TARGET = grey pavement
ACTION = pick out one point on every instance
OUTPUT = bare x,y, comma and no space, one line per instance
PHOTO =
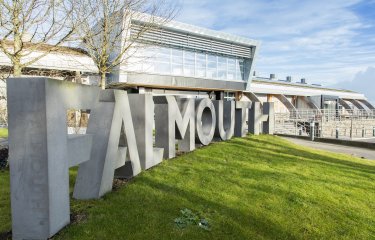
354,151
4,142
370,140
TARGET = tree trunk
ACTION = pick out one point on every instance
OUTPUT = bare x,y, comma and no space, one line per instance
102,80
17,40
17,68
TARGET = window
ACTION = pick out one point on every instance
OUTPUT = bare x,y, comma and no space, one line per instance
180,62
163,60
229,96
201,65
177,60
162,67
240,69
232,69
189,64
148,66
177,56
211,66
222,68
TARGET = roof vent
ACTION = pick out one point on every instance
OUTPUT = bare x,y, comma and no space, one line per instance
289,79
272,76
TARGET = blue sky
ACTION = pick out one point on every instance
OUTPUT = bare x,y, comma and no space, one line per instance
331,42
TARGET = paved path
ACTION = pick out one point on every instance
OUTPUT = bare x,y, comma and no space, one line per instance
370,140
354,151
3,141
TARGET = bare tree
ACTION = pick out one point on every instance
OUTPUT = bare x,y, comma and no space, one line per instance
107,34
31,29
4,74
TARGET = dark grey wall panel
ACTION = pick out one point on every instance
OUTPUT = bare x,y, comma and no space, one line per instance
160,81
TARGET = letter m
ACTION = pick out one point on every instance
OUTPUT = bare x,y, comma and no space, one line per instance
172,113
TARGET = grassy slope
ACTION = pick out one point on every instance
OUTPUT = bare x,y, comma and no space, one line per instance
251,188
5,224
3,132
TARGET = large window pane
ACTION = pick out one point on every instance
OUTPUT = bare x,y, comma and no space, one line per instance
148,66
189,58
177,56
163,55
231,69
222,68
211,58
201,60
164,68
240,69
222,60
211,66
189,63
211,73
201,65
201,72
189,71
221,74
177,69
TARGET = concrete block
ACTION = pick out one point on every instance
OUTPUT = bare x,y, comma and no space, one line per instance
79,146
205,121
142,109
255,118
172,113
240,128
225,112
39,149
261,117
269,123
121,157
95,177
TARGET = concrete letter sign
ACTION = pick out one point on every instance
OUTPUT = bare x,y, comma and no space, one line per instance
39,147
169,114
256,118
240,129
118,142
205,121
142,109
110,119
269,124
224,119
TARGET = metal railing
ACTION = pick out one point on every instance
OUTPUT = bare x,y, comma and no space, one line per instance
340,123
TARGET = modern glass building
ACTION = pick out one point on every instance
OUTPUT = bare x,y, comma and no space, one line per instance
184,57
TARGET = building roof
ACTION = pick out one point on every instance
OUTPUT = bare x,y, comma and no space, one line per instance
298,84
46,47
63,58
268,86
202,32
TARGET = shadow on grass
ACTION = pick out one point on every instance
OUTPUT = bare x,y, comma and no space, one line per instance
301,152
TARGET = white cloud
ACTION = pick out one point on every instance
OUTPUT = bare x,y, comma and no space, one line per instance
323,41
363,82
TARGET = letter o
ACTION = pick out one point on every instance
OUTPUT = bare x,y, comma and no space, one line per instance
205,121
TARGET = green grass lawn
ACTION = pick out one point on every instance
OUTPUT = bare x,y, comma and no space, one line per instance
248,188
3,132
5,224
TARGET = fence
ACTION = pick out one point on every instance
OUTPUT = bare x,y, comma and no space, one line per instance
327,123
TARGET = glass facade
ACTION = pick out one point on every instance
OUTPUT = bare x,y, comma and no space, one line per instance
178,62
